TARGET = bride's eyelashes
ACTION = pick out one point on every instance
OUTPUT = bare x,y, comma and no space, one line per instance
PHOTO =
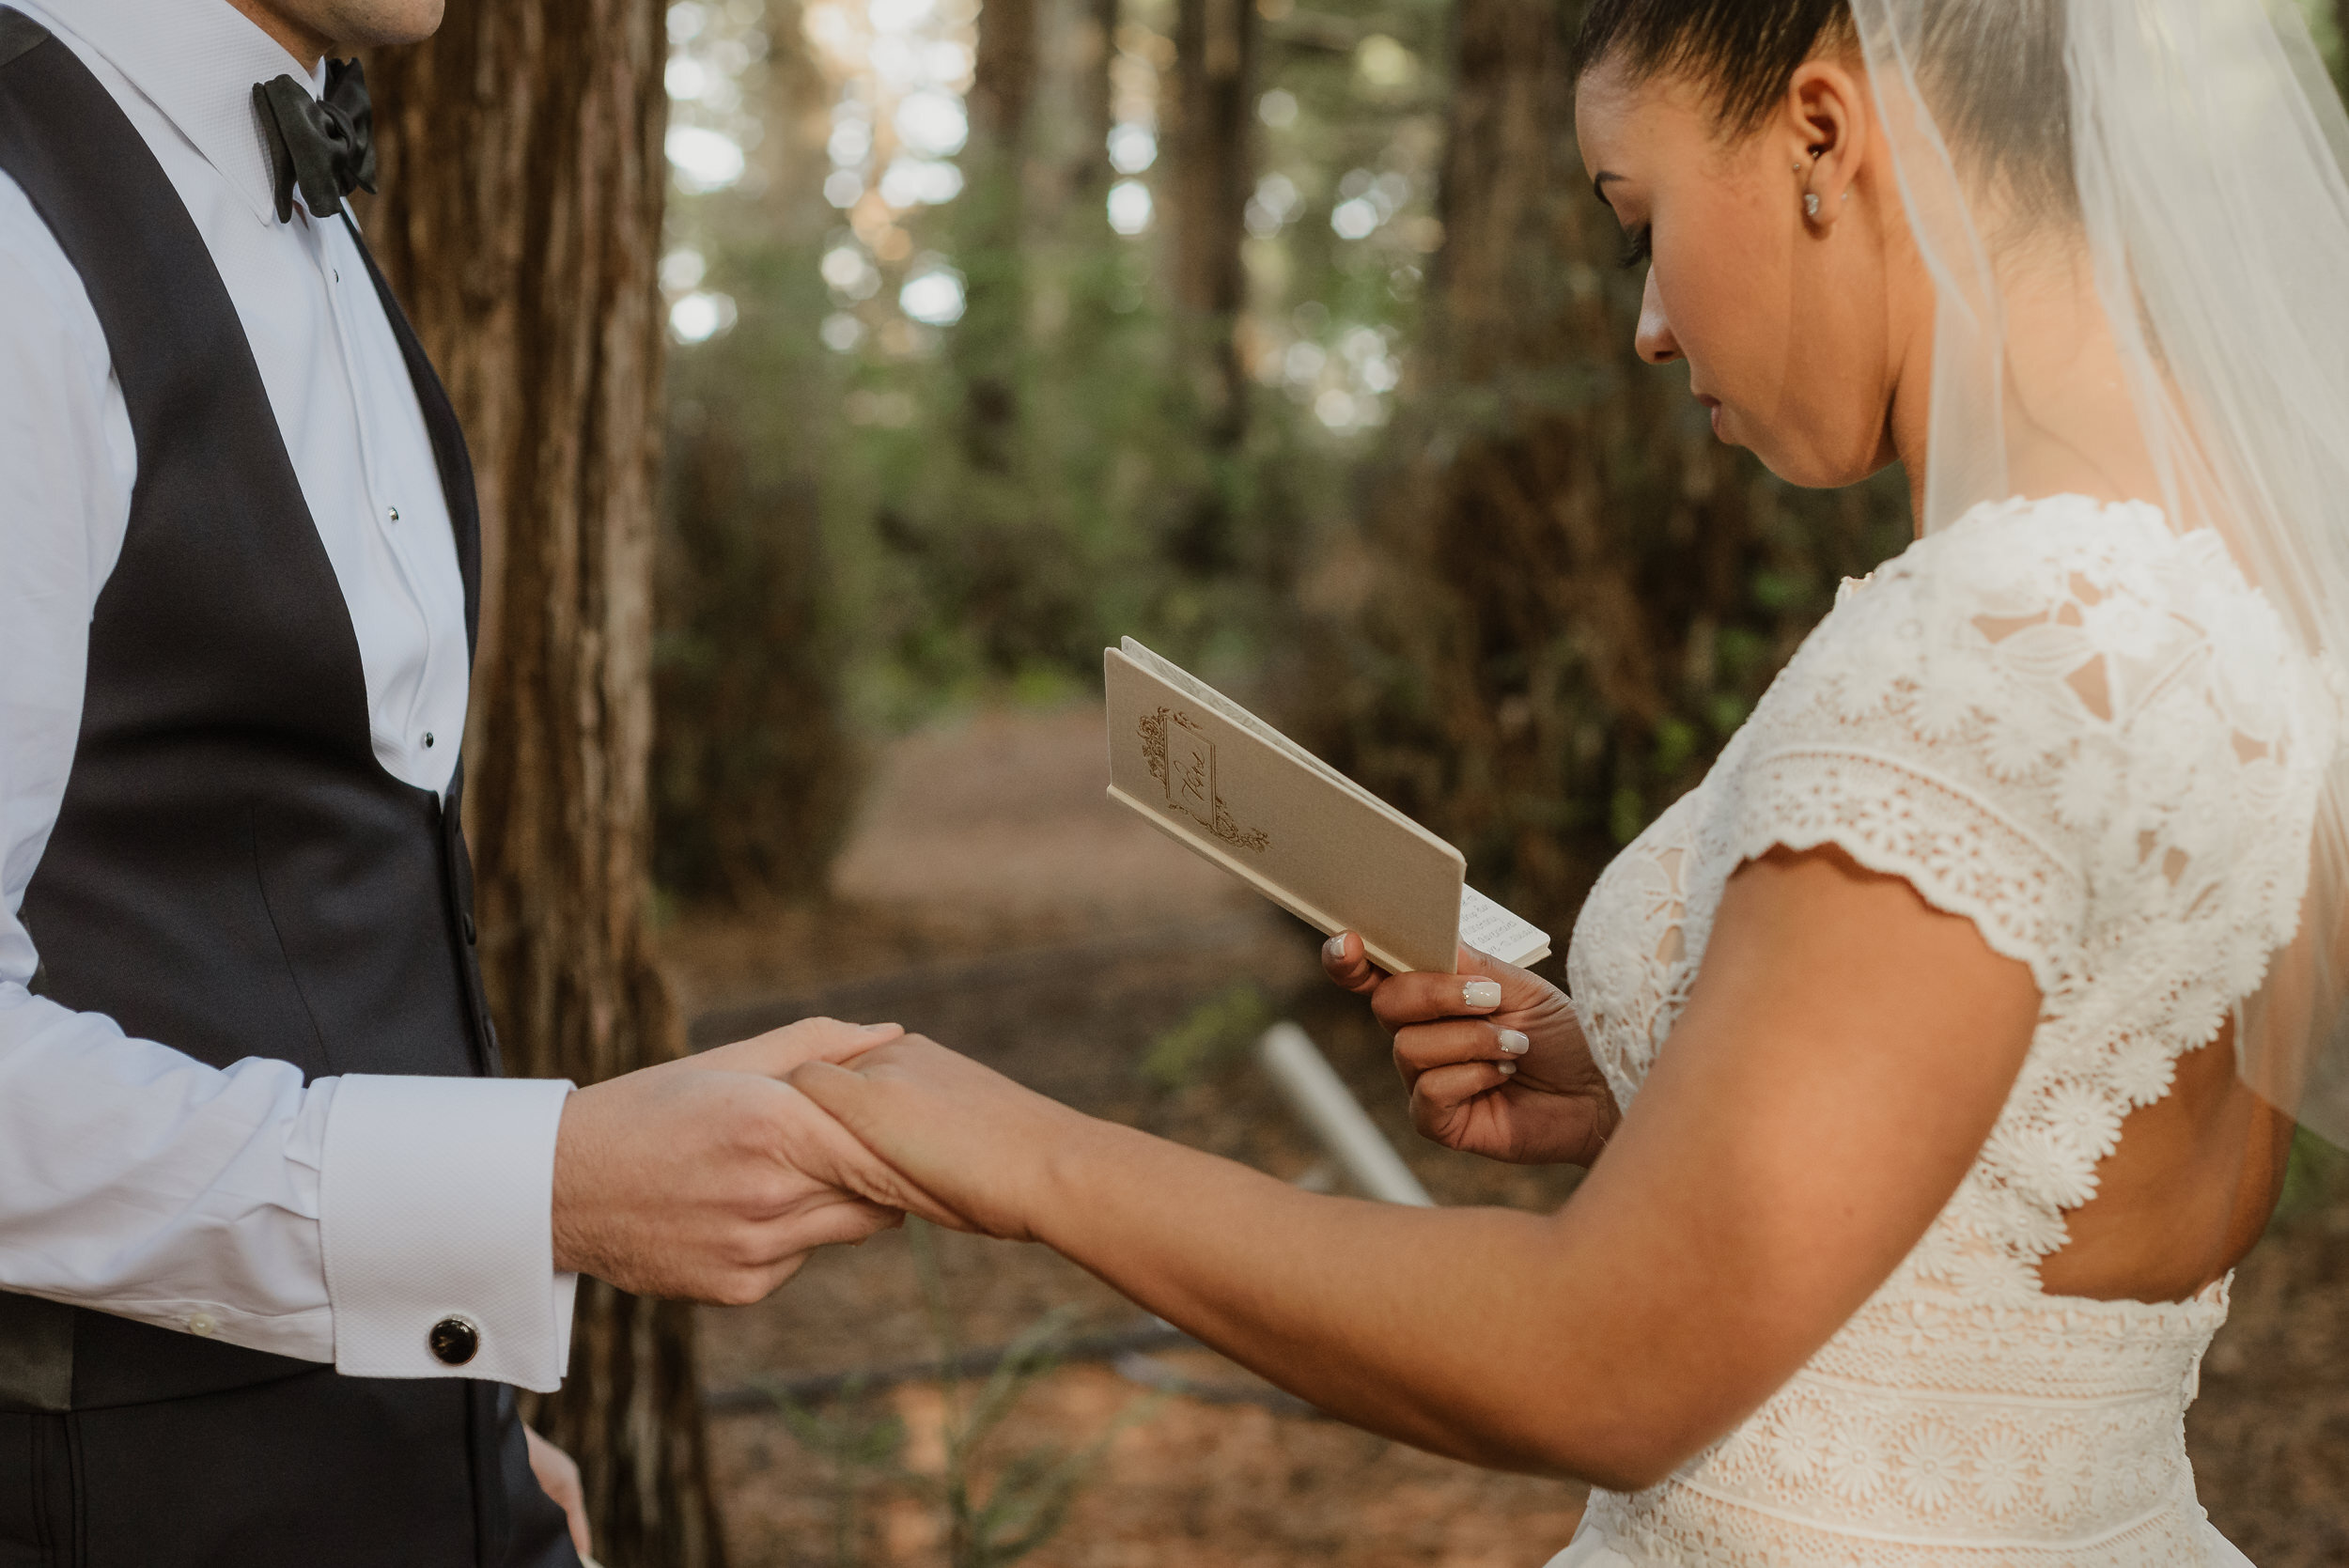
1635,250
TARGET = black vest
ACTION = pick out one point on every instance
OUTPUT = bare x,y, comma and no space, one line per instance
232,872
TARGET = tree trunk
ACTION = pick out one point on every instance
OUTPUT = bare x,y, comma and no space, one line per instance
1558,669
991,337
1588,591
1207,189
1215,48
1097,102
520,222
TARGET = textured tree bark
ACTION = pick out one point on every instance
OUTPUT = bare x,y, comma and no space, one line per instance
520,222
1558,672
1096,100
1215,50
1562,555
991,337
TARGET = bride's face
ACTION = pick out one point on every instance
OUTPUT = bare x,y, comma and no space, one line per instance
1798,324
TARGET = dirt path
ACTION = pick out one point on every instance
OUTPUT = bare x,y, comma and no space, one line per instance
992,897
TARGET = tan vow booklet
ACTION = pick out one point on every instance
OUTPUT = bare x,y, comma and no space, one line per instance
1225,785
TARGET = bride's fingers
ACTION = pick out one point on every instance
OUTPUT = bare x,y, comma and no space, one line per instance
777,1051
849,1102
1409,998
1423,1048
1482,985
1348,963
1440,1094
825,1150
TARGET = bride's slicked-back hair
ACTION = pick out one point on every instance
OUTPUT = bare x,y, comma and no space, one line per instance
1744,49
1992,68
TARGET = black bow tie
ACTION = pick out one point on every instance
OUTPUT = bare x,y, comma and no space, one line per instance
326,146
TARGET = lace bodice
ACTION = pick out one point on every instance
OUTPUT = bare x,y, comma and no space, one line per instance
2089,736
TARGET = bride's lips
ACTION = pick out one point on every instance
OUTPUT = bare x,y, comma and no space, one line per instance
1713,407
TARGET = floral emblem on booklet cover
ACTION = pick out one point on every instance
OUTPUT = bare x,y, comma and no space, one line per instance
1181,756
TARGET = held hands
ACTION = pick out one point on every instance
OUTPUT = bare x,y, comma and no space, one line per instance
711,1179
938,1135
1493,1056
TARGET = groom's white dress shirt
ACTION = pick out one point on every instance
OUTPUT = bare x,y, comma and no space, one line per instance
337,1221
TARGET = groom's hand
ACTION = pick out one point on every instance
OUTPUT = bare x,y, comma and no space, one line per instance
691,1179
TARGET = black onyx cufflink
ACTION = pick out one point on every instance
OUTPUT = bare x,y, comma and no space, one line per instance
455,1340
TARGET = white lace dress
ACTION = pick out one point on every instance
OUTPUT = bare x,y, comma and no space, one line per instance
2090,736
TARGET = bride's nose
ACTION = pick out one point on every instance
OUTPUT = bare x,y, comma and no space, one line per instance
1655,340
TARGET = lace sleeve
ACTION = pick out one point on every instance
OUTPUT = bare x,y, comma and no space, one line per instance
2054,719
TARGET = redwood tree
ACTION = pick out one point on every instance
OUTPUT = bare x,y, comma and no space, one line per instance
522,178
1215,53
1209,171
1583,590
988,344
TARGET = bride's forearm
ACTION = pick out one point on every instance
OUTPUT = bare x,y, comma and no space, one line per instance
1472,1332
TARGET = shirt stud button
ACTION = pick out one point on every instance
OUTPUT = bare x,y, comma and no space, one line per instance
203,1325
454,1341
427,740
392,512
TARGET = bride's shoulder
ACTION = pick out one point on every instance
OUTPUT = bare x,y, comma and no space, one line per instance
2066,610
2109,577
2028,549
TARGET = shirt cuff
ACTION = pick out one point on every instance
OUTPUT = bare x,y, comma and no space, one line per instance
435,1215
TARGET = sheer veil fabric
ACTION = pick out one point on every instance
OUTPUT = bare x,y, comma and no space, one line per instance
2136,217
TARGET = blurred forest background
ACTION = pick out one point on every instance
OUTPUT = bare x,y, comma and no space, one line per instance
1287,339
1287,336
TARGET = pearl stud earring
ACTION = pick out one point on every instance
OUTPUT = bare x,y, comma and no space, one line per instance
1810,204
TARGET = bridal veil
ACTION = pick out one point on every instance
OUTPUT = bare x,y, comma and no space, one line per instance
2180,163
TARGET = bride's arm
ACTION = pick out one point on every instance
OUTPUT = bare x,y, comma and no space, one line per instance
1843,1055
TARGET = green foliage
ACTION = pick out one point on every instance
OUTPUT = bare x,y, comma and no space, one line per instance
1525,597
993,1513
754,769
1028,1499
1214,1033
2316,1180
855,1448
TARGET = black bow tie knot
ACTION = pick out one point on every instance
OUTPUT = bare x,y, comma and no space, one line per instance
325,145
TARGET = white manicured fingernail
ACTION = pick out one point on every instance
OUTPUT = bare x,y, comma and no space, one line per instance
1335,947
1514,1043
1507,1067
1481,993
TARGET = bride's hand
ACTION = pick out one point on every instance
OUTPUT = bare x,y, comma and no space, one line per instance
960,1144
1493,1056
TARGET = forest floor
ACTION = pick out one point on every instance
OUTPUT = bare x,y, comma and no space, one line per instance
992,897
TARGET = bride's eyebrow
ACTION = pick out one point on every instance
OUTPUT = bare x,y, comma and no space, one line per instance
1599,184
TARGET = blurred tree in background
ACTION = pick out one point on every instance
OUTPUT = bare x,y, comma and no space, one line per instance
1285,337
1572,594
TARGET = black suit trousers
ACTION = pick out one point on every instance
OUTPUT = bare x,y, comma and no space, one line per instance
382,1476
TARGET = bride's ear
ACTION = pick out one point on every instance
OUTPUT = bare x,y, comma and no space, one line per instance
1823,125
